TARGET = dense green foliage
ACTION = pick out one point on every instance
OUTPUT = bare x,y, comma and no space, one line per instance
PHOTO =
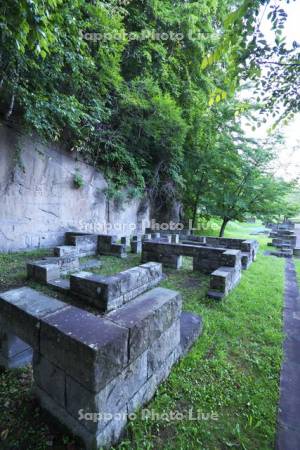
145,90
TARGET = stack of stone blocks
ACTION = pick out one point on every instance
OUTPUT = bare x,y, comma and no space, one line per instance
84,244
100,366
136,245
284,239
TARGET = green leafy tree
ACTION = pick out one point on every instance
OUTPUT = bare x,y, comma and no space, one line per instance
245,187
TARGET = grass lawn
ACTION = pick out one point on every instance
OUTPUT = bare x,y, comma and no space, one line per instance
232,371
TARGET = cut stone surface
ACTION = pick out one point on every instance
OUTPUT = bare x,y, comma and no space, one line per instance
64,250
43,271
60,285
111,399
224,279
109,435
23,308
94,350
147,317
85,244
14,352
110,292
107,246
191,327
49,269
50,378
162,347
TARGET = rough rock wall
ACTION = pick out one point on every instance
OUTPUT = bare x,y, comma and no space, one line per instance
38,200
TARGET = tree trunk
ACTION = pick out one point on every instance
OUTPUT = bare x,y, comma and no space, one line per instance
195,210
11,107
224,223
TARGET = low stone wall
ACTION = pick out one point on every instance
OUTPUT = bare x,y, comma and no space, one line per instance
288,225
78,244
248,248
205,259
110,292
283,238
82,244
104,292
50,269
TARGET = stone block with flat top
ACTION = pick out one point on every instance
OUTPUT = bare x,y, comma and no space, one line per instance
147,317
23,310
92,349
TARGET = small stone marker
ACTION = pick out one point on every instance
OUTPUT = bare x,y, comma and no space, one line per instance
136,245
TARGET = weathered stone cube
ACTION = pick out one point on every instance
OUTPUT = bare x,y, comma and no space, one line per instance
94,350
147,317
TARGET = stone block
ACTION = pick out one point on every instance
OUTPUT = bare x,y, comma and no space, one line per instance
136,247
155,235
191,327
147,317
65,250
118,250
219,280
147,391
92,349
111,399
67,263
92,441
107,246
50,378
224,280
43,271
105,241
125,241
246,260
162,347
102,291
14,352
23,309
231,258
60,285
171,261
86,244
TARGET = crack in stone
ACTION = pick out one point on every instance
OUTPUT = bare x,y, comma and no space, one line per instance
49,212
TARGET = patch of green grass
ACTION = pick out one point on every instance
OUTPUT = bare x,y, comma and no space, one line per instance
13,267
232,370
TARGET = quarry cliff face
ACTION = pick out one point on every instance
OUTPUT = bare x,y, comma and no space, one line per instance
46,191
